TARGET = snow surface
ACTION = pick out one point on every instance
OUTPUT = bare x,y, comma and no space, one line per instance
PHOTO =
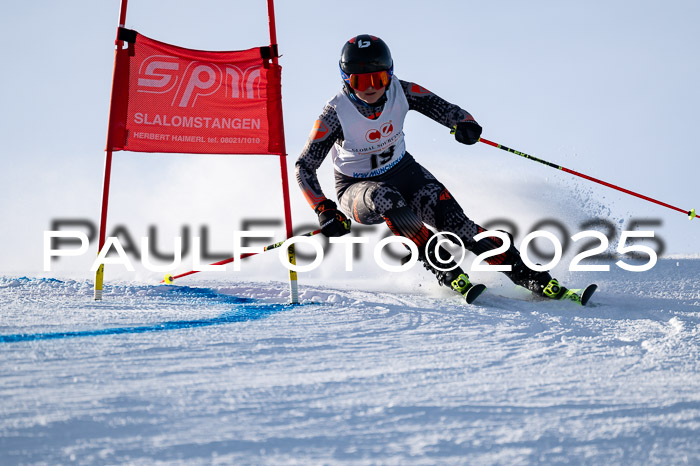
225,372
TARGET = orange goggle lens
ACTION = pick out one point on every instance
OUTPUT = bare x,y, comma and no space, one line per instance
377,80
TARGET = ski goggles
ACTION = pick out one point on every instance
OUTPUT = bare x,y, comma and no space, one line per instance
363,81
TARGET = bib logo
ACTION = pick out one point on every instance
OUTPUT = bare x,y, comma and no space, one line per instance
160,74
384,131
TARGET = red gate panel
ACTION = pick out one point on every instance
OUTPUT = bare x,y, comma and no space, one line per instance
172,99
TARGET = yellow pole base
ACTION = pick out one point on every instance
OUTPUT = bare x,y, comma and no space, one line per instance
99,280
293,286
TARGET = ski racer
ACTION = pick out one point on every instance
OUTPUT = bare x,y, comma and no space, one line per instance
378,181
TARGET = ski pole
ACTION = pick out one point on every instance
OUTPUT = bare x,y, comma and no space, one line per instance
170,278
690,213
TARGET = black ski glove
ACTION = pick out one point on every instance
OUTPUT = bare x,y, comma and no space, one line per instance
333,222
467,132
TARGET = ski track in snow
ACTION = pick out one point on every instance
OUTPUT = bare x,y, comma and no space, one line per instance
226,372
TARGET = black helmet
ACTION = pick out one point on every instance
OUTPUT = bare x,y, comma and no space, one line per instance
365,54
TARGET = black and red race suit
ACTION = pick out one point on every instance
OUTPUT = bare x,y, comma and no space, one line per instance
405,195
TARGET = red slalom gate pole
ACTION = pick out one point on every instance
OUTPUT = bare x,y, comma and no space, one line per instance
99,274
690,213
169,279
293,284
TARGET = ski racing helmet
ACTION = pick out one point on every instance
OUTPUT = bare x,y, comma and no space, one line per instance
366,61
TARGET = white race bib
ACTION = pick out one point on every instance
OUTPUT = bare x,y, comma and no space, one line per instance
371,147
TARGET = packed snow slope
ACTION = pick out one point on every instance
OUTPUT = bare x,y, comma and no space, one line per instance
225,372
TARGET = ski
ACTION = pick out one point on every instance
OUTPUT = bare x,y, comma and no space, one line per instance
473,292
576,295
463,286
580,296
587,293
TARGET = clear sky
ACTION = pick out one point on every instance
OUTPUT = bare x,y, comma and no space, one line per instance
609,89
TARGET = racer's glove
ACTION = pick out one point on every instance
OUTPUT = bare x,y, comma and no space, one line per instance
467,132
333,222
